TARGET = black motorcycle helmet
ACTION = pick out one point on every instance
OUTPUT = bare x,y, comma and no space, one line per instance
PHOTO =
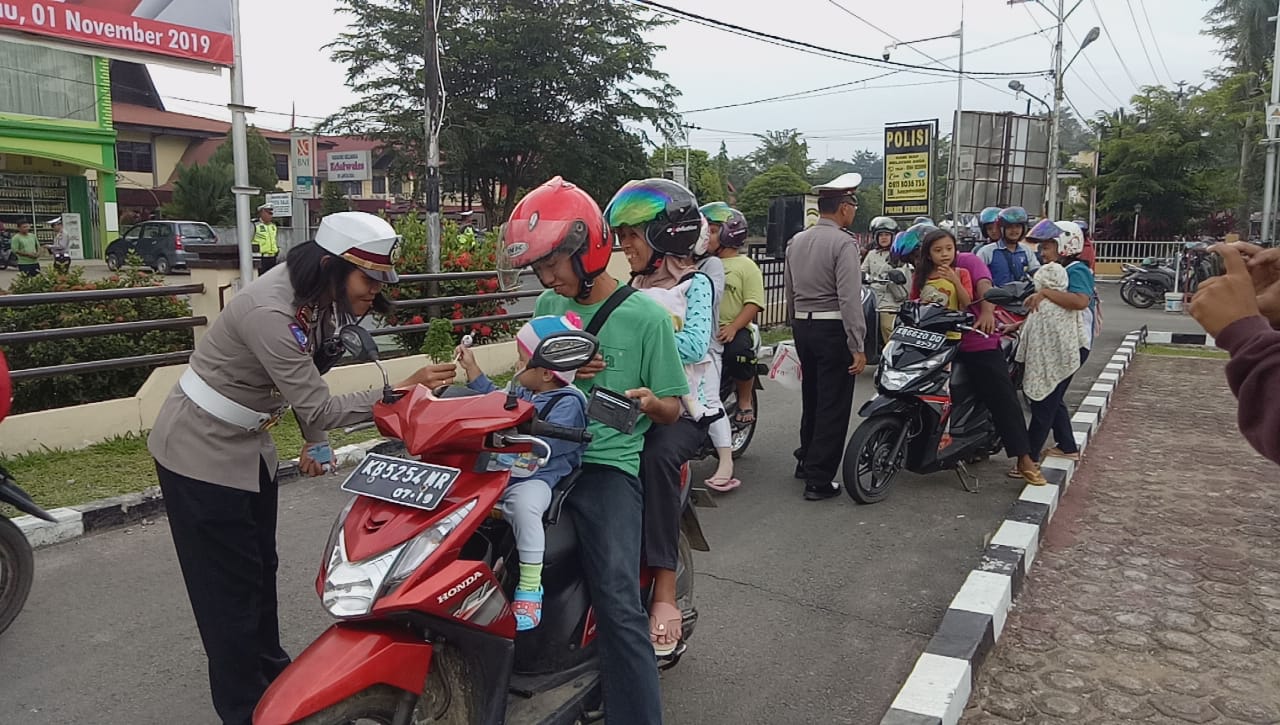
666,211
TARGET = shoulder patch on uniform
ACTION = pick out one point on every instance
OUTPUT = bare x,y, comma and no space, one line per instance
299,335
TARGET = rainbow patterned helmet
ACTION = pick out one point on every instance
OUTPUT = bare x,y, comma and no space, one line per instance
733,223
908,241
666,211
1045,230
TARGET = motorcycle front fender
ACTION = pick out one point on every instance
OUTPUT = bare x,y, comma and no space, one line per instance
346,660
884,405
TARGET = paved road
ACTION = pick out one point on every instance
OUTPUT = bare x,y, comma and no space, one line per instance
811,612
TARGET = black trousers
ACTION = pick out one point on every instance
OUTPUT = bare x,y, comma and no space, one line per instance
1051,414
740,357
826,392
992,385
226,544
265,263
666,448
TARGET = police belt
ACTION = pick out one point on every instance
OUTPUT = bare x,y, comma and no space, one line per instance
832,315
223,408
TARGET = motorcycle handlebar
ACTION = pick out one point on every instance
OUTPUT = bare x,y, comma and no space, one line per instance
562,432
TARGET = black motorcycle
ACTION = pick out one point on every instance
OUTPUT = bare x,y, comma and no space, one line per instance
926,417
1146,284
17,566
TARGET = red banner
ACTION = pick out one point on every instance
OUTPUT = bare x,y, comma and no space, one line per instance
193,30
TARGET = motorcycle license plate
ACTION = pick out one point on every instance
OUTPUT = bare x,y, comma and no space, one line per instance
398,480
923,339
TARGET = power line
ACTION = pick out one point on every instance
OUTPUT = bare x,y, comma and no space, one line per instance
1096,72
803,95
1102,21
896,39
1159,52
1142,40
817,49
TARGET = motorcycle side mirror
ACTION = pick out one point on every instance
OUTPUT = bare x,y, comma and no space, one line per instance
358,343
896,276
564,351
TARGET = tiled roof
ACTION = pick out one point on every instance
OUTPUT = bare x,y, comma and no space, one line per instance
128,114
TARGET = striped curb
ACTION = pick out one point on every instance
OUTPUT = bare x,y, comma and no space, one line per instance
938,688
76,521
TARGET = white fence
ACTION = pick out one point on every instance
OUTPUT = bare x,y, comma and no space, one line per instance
1121,251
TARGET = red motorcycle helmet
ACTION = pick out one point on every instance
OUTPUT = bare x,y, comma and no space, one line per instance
6,387
555,218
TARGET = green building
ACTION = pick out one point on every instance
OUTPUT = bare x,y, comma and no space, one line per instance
57,142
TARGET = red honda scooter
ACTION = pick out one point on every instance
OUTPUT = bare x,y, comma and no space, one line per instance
421,571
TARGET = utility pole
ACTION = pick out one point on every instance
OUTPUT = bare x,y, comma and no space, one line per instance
1269,179
431,56
1054,124
240,153
954,176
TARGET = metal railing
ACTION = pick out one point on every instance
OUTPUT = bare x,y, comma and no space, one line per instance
775,302
1132,252
81,332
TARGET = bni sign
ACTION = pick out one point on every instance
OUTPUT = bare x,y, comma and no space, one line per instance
349,166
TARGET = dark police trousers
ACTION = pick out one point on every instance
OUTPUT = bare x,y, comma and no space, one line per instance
826,392
226,544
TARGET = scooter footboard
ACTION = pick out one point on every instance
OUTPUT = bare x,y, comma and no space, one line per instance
344,661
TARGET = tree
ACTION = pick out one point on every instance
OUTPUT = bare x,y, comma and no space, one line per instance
870,206
262,164
1248,37
333,200
1161,160
529,83
754,200
202,192
786,147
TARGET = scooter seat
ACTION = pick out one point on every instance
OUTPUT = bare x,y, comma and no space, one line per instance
558,496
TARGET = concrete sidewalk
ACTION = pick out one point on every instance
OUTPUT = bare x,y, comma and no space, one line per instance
1157,594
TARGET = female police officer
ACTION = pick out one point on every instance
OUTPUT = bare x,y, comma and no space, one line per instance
217,463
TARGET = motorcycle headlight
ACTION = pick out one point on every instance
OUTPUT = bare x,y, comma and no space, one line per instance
894,380
352,587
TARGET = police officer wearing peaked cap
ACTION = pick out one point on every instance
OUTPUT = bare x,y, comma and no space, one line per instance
216,460
823,281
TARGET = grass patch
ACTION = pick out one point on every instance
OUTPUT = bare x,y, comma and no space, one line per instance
122,465
775,335
1185,351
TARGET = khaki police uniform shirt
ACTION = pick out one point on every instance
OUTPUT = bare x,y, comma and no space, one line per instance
252,356
823,274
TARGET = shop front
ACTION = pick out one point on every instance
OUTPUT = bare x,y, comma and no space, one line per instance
57,146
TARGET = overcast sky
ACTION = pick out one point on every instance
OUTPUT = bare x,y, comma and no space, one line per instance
284,63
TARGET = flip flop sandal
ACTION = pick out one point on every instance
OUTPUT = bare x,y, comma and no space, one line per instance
1013,473
658,628
722,485
527,609
1058,452
1035,478
744,416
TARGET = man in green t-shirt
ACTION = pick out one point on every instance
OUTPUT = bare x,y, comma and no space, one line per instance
743,301
27,247
558,230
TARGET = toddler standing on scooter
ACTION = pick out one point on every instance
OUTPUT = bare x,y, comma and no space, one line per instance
529,494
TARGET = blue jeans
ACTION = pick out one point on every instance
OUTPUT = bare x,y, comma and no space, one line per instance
607,506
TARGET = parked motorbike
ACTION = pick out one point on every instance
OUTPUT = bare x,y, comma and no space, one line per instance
925,417
17,566
1146,284
421,573
742,432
